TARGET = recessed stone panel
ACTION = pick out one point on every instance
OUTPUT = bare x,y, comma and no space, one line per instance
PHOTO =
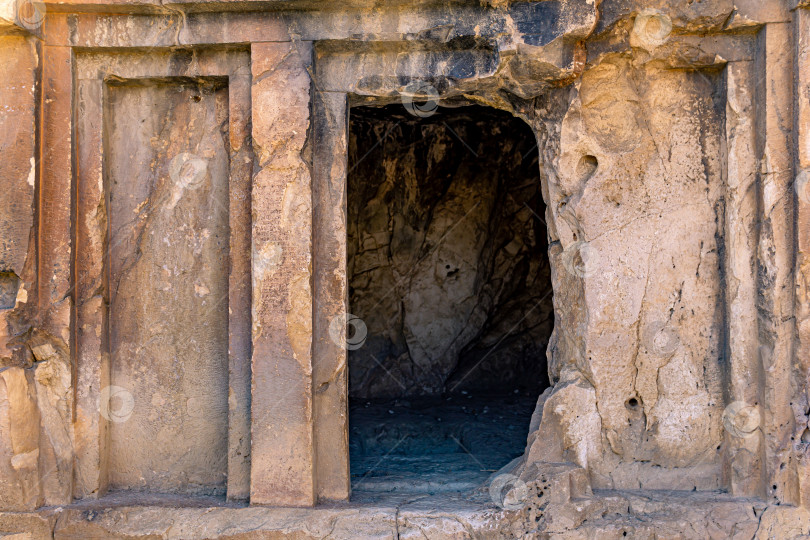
167,188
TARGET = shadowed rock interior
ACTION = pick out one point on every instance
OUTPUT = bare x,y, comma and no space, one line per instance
449,274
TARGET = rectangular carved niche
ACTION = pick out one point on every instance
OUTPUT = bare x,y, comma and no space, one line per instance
167,185
162,272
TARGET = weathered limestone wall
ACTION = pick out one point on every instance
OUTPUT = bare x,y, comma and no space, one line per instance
19,415
803,236
636,194
175,172
18,166
674,161
167,183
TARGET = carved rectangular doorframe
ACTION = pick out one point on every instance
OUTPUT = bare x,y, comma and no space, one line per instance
94,70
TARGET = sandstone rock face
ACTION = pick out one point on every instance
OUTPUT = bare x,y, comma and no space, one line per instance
18,171
447,253
17,142
635,195
52,379
673,169
168,193
20,443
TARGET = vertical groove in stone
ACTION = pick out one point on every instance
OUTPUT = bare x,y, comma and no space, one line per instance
92,358
743,459
239,288
330,372
282,453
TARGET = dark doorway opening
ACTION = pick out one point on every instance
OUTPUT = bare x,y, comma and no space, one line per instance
448,270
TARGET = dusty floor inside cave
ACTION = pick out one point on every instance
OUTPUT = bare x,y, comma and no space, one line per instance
448,265
435,444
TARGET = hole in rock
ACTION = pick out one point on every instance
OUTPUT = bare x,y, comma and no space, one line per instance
9,285
586,167
448,270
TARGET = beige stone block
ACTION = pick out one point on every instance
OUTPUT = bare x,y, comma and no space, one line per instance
635,193
90,428
330,369
18,166
32,526
802,194
18,169
282,453
743,454
775,259
55,252
19,441
54,391
152,522
167,180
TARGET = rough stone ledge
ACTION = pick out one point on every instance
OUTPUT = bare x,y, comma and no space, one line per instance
607,514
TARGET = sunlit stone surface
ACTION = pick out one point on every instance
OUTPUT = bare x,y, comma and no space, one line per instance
296,269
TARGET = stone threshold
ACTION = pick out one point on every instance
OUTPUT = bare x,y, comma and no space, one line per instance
150,516
606,514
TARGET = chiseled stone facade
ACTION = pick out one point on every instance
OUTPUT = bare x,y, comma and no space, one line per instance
173,262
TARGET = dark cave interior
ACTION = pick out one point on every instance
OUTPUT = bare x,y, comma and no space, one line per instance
448,270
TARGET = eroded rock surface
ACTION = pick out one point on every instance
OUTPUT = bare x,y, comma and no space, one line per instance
635,202
673,159
168,189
